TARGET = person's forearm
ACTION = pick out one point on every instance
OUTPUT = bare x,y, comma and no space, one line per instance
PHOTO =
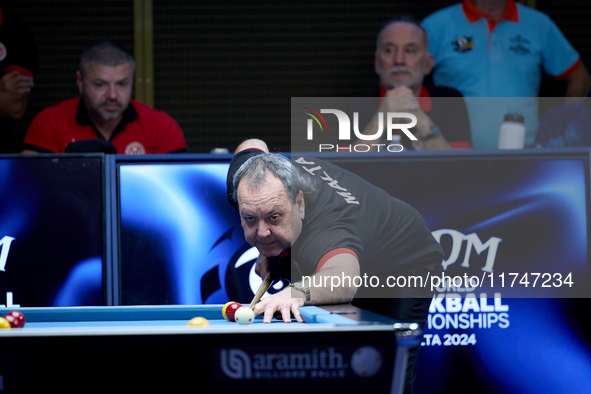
577,89
327,289
578,83
425,128
334,283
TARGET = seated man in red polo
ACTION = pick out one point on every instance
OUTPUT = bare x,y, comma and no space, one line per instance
402,60
104,118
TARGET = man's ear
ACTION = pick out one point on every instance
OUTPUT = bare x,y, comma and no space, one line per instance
376,65
301,204
429,64
79,81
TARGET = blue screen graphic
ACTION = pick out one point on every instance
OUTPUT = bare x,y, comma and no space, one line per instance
538,210
51,231
534,211
180,240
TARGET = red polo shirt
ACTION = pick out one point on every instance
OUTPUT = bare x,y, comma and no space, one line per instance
142,130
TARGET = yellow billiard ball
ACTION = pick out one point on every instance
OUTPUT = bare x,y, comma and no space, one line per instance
224,309
4,323
198,321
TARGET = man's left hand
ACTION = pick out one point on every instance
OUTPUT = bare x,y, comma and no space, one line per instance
283,303
401,99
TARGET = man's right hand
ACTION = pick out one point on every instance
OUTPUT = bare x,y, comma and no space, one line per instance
261,267
400,99
17,83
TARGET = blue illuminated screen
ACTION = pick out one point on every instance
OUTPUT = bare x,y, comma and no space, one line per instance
535,209
180,241
51,230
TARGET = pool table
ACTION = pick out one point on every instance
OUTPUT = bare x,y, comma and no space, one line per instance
134,348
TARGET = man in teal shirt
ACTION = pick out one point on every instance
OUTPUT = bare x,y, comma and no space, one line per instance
494,52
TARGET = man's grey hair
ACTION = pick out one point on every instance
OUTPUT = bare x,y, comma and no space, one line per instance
106,54
256,170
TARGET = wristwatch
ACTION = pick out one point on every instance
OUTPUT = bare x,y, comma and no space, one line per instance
304,289
434,132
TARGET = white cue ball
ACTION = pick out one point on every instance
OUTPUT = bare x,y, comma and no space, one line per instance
244,315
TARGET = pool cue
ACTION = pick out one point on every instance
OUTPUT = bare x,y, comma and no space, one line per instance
262,290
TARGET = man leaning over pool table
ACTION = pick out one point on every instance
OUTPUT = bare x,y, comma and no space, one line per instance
326,233
332,223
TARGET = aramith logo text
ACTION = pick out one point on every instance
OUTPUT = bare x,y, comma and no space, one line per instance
361,142
317,363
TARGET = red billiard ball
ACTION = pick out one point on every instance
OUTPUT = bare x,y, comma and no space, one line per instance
16,319
224,309
231,310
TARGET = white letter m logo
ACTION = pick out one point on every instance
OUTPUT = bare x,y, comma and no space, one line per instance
5,247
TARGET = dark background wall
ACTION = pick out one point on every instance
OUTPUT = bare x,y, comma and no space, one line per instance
227,71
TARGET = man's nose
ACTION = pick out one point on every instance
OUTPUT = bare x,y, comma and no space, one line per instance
399,57
111,92
263,230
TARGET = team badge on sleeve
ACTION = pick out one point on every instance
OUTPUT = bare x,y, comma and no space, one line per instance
463,44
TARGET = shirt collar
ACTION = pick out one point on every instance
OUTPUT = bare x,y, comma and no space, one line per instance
473,14
83,119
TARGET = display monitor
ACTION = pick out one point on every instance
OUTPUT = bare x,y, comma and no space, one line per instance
52,234
180,241
524,213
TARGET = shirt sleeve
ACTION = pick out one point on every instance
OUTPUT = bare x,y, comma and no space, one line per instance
559,58
317,247
170,137
41,135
